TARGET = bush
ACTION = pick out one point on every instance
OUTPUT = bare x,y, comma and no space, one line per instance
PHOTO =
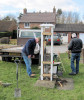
6,34
4,40
14,35
35,27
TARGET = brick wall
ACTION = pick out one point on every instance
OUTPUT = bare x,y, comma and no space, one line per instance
35,25
69,36
21,25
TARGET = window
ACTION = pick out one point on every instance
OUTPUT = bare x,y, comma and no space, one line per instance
26,25
38,34
30,34
27,34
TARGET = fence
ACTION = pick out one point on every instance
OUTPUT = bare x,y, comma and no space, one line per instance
6,40
82,56
13,41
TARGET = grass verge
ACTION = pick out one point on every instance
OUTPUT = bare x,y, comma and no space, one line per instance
30,92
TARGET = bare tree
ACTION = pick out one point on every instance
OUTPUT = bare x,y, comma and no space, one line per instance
75,18
9,17
59,12
67,17
58,17
63,18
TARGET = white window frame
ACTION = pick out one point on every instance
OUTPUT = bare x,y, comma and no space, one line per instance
26,25
29,30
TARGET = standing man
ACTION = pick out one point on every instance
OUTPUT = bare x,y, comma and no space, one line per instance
75,46
28,52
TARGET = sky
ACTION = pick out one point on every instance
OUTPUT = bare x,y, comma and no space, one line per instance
15,7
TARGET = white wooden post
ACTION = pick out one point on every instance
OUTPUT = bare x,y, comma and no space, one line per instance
43,26
51,52
41,53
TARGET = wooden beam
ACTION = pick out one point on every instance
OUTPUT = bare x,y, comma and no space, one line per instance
47,62
83,55
48,75
7,46
57,63
47,33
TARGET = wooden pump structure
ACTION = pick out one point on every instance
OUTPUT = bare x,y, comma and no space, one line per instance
49,28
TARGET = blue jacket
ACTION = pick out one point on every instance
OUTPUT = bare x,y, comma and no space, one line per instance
29,47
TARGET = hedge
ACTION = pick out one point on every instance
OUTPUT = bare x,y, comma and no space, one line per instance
6,34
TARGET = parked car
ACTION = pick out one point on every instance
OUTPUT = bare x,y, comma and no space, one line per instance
57,39
23,35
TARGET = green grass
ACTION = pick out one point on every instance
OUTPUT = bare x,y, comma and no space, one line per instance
30,92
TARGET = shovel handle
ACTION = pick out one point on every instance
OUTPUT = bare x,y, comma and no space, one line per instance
17,61
17,75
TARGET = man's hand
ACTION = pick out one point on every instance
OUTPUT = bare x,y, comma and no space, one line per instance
33,56
29,56
69,54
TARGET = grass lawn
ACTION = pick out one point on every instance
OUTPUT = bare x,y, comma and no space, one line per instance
30,92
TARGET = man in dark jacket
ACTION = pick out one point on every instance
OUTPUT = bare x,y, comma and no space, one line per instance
28,52
75,46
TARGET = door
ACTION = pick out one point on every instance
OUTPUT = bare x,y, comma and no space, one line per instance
81,36
64,37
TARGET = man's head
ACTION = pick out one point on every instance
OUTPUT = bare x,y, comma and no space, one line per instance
37,40
73,35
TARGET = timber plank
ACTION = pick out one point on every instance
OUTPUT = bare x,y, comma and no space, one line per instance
47,33
47,62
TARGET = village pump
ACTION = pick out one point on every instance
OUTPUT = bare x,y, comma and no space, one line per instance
43,45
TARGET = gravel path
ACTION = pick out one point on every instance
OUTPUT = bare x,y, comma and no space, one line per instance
58,48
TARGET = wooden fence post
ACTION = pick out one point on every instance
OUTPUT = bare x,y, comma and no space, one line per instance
83,54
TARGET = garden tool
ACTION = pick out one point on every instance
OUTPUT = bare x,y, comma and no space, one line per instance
5,84
17,90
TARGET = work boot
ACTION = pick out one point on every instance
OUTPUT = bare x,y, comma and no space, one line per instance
33,72
77,72
32,75
72,73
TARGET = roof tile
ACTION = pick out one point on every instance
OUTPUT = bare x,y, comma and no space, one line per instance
38,17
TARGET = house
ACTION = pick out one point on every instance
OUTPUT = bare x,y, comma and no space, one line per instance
7,27
68,29
33,20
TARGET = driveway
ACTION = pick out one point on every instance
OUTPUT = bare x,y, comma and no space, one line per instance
58,48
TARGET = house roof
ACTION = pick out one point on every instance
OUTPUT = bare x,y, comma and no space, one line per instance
39,17
7,26
69,28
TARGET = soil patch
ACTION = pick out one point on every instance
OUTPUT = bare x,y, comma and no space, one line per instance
59,83
65,84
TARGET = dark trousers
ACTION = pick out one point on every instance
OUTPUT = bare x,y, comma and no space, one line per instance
75,56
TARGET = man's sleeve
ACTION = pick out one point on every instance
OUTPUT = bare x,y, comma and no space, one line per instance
81,44
28,47
70,45
33,50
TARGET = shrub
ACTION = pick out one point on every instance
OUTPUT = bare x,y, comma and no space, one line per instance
4,40
35,27
6,34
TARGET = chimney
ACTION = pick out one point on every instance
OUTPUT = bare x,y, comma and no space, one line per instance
24,11
54,10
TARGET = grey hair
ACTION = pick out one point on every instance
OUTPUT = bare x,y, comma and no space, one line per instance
73,35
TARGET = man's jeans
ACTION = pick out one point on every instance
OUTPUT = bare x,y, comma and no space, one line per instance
28,63
73,57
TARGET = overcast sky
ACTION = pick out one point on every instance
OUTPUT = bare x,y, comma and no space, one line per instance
14,7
